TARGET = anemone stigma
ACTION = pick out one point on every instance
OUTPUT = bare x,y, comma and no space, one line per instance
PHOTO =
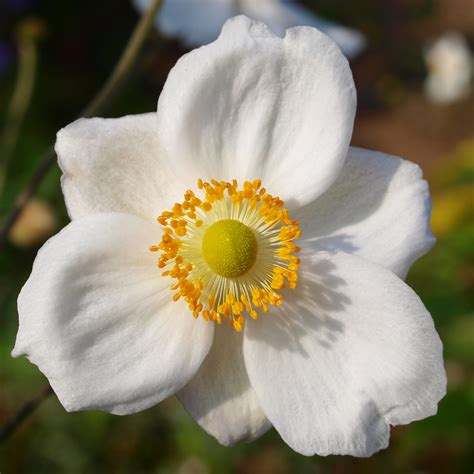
231,252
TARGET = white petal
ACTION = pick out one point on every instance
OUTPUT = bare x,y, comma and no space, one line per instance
279,15
378,208
97,319
220,397
351,351
113,165
252,105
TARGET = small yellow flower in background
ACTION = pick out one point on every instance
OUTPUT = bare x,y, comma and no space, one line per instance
452,207
36,223
453,199
456,168
234,250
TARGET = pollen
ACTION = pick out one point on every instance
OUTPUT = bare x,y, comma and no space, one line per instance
229,252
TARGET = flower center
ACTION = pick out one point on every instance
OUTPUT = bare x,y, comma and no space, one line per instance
229,252
229,248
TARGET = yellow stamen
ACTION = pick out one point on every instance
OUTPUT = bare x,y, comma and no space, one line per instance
230,252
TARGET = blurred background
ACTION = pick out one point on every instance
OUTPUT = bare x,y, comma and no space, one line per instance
413,73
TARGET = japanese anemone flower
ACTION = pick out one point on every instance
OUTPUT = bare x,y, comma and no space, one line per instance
272,293
198,22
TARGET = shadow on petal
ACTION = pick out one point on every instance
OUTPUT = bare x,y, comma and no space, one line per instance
358,192
307,309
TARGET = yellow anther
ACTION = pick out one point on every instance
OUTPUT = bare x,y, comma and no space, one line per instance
211,301
229,299
211,257
238,326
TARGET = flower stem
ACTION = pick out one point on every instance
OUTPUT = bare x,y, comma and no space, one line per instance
27,409
125,63
98,104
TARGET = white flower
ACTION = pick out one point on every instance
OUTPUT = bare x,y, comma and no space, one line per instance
450,69
198,22
334,361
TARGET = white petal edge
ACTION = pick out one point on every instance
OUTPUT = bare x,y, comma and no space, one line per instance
114,165
352,351
379,208
97,318
220,397
255,106
279,15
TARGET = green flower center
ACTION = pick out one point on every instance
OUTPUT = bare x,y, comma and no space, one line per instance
229,248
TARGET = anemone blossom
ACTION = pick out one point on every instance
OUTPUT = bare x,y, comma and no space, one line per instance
232,249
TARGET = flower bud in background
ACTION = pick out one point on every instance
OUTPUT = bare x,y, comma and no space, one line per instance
450,66
199,22
36,223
